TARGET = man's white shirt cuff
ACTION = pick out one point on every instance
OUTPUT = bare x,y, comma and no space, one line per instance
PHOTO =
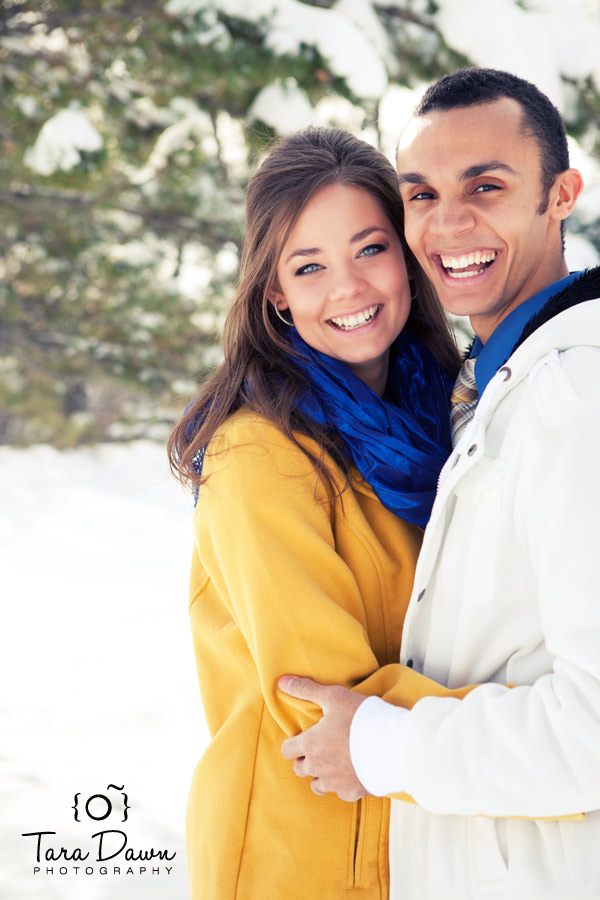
376,736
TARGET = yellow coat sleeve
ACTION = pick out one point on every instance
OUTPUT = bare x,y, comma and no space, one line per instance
264,533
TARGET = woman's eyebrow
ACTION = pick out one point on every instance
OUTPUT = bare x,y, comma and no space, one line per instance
359,236
309,251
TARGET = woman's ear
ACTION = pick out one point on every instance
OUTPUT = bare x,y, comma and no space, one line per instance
280,304
277,298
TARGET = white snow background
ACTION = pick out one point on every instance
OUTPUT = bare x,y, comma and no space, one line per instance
96,662
96,659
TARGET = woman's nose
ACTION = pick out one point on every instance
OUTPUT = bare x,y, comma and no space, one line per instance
345,283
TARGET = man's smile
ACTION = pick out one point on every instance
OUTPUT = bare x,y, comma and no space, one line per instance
466,265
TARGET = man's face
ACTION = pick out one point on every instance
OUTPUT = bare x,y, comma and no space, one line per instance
470,181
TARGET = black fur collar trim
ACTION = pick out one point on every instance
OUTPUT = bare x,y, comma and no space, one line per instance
586,287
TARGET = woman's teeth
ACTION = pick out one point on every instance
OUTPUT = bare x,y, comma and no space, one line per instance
468,265
347,323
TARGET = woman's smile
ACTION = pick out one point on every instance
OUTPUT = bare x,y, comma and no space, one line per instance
354,321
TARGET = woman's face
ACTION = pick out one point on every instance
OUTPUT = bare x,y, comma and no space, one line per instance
343,277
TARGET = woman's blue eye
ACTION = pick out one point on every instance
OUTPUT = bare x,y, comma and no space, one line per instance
372,250
423,195
308,269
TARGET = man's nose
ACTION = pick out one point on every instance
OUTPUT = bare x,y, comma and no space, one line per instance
451,219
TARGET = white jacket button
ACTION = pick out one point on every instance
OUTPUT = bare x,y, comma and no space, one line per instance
472,449
507,372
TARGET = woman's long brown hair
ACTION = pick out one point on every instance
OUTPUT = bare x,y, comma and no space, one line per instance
254,339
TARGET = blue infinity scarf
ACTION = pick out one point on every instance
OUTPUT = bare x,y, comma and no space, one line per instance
398,443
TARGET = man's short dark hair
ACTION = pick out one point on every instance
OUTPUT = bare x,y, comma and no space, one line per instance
541,119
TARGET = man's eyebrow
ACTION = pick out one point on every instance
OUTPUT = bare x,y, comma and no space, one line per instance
471,172
482,168
411,178
359,236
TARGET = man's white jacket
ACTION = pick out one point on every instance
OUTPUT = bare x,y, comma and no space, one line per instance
507,592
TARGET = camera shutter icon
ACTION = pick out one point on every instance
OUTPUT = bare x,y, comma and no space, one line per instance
99,806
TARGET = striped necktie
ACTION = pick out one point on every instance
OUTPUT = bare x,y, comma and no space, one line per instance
463,400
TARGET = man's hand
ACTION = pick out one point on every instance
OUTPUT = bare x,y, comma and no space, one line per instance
323,751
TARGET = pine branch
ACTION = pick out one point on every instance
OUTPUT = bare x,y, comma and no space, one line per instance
15,24
396,12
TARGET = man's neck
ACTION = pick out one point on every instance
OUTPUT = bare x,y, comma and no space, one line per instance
485,329
527,317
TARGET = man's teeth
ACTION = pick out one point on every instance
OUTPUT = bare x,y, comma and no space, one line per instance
476,258
361,318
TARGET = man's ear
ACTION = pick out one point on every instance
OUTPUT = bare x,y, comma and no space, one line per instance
565,191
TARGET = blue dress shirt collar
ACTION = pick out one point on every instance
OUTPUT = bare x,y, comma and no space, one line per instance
500,345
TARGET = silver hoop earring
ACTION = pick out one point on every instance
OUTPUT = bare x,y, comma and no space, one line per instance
414,296
279,316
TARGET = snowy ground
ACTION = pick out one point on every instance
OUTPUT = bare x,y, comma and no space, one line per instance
97,668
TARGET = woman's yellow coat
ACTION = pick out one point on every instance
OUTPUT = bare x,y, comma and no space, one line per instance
283,583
